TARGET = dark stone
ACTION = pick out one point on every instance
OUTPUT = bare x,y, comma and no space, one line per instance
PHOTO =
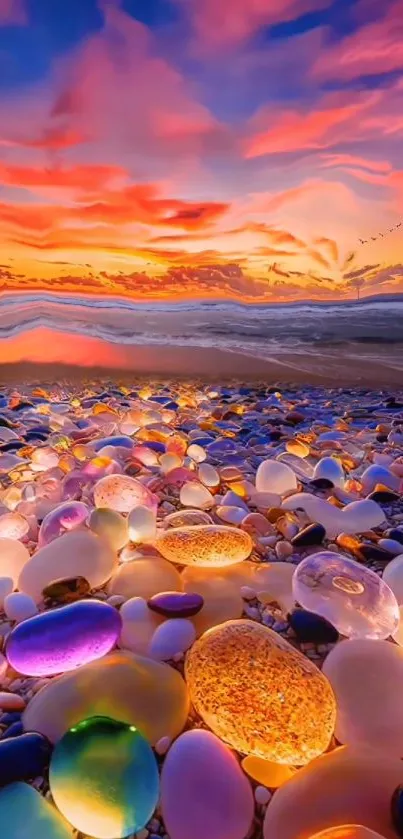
382,438
22,406
396,534
23,758
313,534
10,717
384,496
67,590
6,423
396,809
312,628
321,483
372,552
14,730
176,604
12,446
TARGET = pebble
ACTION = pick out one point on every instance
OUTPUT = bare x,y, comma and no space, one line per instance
313,628
23,757
170,638
18,607
11,702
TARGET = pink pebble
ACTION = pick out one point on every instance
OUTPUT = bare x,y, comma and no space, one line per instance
11,702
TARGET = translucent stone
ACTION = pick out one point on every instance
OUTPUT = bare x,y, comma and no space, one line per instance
330,468
393,576
346,786
104,778
398,633
6,587
144,578
65,517
110,526
142,524
208,475
122,493
272,775
221,595
18,606
13,557
367,679
288,707
142,692
297,448
172,637
209,545
25,814
187,518
79,553
376,474
353,598
231,515
194,494
197,453
64,638
138,626
357,517
274,476
215,798
13,526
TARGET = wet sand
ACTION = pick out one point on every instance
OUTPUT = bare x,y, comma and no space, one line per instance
332,368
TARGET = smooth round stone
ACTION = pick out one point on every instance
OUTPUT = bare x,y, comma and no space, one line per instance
221,595
231,515
13,526
313,534
171,638
357,517
215,798
13,557
274,476
79,553
104,778
18,607
272,583
312,628
208,475
23,758
187,518
376,474
197,453
11,702
348,831
110,526
346,786
272,775
353,598
6,587
122,493
25,814
331,469
396,808
393,577
65,517
144,578
393,547
367,679
63,639
66,590
142,523
142,692
194,494
138,626
208,545
288,707
297,448
176,604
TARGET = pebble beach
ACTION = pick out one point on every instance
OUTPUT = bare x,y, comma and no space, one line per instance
201,591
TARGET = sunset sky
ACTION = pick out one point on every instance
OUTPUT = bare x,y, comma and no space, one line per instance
175,149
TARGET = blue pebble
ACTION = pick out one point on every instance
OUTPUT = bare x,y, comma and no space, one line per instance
15,730
10,717
312,628
23,758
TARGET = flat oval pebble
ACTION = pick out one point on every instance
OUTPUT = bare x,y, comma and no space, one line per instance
25,814
63,639
221,595
11,701
274,476
80,778
195,494
122,493
215,798
188,518
13,526
109,525
144,578
346,786
23,758
265,772
288,707
145,693
312,628
65,517
78,553
13,557
367,679
172,637
353,598
18,606
330,468
209,545
176,604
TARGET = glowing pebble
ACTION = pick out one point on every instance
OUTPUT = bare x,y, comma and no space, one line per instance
109,525
144,578
288,707
187,518
142,692
13,526
330,468
353,598
273,476
6,587
24,813
209,545
356,517
13,557
122,493
346,786
221,596
138,626
63,639
65,517
142,524
216,799
272,775
297,448
208,475
348,831
393,577
104,778
194,494
197,453
367,679
79,553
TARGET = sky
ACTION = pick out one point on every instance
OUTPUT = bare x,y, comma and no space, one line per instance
170,150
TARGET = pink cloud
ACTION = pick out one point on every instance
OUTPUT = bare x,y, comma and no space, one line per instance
12,13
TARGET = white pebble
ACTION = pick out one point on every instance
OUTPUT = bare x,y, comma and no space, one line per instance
162,746
262,795
115,600
283,550
6,587
19,606
248,593
171,637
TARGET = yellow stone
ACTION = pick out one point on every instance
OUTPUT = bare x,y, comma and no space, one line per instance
267,773
209,545
220,592
260,695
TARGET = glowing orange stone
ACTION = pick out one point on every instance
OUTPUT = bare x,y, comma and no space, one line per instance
259,695
208,545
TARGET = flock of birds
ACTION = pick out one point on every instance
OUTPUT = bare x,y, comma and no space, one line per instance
380,235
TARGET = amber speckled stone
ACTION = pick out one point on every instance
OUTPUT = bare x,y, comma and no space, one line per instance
207,545
260,695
